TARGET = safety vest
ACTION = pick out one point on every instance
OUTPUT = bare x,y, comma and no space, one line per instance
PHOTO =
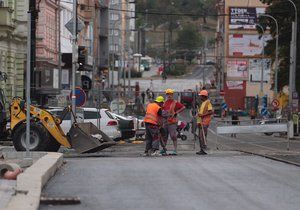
172,120
203,110
151,113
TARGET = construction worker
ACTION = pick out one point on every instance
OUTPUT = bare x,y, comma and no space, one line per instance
203,120
171,109
153,123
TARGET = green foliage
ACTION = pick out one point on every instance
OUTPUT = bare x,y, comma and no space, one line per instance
195,8
177,69
189,38
283,12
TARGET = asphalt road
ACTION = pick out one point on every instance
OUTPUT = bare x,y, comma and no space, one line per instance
188,81
224,180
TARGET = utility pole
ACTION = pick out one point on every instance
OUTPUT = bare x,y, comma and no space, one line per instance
28,74
74,58
33,16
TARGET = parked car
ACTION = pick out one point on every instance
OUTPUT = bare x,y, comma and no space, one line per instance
108,124
187,98
126,126
139,127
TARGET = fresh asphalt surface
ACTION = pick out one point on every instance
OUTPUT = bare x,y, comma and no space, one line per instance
221,180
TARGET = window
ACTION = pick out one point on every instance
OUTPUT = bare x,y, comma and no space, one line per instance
114,16
91,115
109,115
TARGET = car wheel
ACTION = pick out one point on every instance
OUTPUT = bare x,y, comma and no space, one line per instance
183,137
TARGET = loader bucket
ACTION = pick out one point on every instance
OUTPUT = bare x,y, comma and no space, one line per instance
87,138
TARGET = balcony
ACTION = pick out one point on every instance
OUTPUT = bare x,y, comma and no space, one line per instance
6,19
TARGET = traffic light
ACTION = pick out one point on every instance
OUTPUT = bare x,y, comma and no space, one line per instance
81,57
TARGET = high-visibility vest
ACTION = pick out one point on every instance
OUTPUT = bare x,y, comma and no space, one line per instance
203,110
151,113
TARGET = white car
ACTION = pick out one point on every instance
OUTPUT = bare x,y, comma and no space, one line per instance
108,124
139,126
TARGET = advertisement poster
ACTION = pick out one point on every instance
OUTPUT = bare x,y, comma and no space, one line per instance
244,17
234,85
237,69
255,68
247,45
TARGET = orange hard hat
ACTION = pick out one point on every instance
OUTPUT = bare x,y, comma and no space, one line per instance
203,93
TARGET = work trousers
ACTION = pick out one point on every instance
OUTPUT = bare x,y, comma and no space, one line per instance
152,137
202,135
170,129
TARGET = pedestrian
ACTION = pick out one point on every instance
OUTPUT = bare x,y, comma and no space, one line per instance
234,120
252,115
153,123
143,97
203,120
148,93
151,85
171,109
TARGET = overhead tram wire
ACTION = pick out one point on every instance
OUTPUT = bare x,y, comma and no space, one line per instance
283,12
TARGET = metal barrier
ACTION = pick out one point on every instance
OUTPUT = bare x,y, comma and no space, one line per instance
269,126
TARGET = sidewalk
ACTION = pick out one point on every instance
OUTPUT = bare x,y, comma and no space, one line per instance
273,147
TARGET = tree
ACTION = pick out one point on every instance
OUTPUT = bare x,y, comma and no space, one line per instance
284,13
189,38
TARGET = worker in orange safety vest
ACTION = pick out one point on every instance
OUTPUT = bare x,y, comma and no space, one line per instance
153,123
205,113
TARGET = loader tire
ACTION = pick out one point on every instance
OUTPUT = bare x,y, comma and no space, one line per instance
40,138
53,145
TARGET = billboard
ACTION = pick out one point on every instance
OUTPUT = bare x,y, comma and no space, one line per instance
244,17
237,69
255,68
247,45
234,85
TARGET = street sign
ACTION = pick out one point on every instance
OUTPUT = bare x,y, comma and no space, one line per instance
114,106
80,96
264,111
275,103
69,25
224,106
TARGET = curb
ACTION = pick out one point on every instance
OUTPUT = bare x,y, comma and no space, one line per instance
270,157
31,182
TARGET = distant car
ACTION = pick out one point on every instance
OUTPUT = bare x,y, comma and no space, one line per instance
187,98
209,62
126,126
108,124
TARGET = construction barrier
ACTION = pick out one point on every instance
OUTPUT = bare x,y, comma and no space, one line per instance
245,127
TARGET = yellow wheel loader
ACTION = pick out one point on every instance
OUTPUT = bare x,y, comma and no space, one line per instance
47,135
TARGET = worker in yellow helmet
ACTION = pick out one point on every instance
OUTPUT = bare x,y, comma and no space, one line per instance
153,123
203,120
171,109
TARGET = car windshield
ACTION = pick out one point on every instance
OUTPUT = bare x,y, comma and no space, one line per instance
109,114
118,116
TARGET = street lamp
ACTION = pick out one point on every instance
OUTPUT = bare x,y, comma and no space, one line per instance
262,61
276,53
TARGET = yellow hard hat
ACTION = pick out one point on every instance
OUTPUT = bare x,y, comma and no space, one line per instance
159,99
169,91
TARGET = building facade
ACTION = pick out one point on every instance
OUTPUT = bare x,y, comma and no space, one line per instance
13,38
47,51
240,53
